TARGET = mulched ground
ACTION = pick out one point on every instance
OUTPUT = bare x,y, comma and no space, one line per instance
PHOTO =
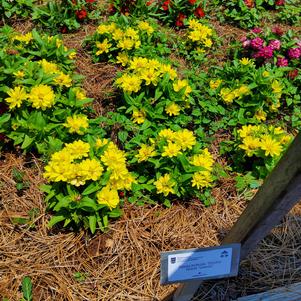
123,264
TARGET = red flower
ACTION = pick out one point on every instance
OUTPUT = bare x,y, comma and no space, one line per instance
180,19
249,3
199,12
292,74
192,2
90,1
64,29
148,3
280,2
165,5
81,14
121,194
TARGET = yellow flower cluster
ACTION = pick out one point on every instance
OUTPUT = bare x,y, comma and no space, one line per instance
61,78
144,71
200,34
77,124
115,161
72,165
25,38
203,178
229,95
124,39
262,140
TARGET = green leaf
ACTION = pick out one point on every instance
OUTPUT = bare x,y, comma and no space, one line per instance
56,219
92,223
27,288
27,142
87,204
93,187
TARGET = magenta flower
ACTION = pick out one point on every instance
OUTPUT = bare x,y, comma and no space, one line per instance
275,44
257,30
282,62
280,2
265,52
256,43
294,53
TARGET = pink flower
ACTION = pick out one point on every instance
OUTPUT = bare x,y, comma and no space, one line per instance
257,30
245,42
280,2
264,52
275,44
294,53
256,43
282,62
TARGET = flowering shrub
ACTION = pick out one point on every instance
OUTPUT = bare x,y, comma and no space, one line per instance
246,13
87,182
41,105
171,164
172,12
261,147
252,94
65,15
121,38
272,46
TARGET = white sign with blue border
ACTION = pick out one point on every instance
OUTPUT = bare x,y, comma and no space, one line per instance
202,264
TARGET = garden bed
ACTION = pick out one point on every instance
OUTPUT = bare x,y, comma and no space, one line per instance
123,263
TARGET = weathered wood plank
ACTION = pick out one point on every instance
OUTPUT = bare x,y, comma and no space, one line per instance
286,293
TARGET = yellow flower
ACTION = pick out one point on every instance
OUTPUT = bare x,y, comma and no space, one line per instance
19,74
145,152
247,130
138,64
118,34
90,169
103,47
173,109
185,139
171,150
150,76
201,179
243,90
260,115
77,124
181,84
246,61
126,44
265,73
56,171
167,134
204,159
214,84
139,116
72,55
227,95
41,97
101,142
80,94
165,68
277,87
122,58
108,197
63,80
102,28
113,158
24,38
129,83
17,96
208,42
62,156
250,145
270,146
145,26
78,149
49,67
165,185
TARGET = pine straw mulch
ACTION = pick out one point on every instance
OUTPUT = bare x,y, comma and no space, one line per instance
123,264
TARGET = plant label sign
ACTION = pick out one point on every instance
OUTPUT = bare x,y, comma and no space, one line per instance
200,264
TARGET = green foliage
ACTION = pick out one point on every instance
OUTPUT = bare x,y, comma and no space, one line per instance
27,288
17,8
